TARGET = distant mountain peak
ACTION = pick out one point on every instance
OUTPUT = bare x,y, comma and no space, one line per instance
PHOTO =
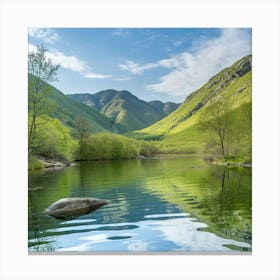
126,109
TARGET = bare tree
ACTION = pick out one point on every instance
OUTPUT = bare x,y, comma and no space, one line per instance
217,119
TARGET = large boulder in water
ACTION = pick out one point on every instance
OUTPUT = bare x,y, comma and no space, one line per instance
73,207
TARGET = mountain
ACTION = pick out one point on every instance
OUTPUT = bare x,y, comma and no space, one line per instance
124,109
67,110
166,108
180,129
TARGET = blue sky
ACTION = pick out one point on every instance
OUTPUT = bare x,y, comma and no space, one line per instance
164,64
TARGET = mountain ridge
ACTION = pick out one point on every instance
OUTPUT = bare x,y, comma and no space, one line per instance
181,127
67,110
125,109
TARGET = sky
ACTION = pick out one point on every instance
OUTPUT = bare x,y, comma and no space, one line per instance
165,64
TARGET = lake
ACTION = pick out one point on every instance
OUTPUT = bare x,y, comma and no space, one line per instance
156,205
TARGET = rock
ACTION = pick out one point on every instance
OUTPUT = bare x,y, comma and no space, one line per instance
73,207
53,164
35,188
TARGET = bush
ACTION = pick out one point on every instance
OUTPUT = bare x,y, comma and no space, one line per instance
148,148
53,140
108,146
34,163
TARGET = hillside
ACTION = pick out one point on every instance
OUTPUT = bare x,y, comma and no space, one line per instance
124,109
67,110
181,129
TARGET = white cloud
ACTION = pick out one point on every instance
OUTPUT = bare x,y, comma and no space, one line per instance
92,75
47,35
122,79
136,68
70,62
190,70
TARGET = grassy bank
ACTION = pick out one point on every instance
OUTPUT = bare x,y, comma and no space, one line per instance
34,164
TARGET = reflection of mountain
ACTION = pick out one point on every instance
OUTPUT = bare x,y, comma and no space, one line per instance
222,200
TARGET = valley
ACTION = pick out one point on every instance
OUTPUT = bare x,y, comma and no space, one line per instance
142,150
153,127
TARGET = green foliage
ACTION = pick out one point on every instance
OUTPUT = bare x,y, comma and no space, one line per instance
34,163
237,138
149,148
53,140
186,130
81,131
108,146
40,70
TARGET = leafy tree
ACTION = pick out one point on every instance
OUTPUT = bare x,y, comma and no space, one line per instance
148,148
40,70
81,132
53,140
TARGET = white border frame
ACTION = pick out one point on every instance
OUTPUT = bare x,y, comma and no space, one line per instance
262,16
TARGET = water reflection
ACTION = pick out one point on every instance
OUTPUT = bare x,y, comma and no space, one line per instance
175,233
156,205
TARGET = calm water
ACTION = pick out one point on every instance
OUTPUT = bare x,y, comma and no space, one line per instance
156,205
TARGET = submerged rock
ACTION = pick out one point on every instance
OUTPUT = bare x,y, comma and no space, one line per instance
73,207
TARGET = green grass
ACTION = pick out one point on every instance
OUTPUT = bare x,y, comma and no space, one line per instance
34,164
186,115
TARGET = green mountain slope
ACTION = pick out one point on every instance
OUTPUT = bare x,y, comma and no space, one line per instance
67,110
181,129
125,109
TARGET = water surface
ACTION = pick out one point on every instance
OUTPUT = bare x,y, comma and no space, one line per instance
156,205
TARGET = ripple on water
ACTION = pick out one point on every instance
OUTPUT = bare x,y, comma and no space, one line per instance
158,232
118,237
149,207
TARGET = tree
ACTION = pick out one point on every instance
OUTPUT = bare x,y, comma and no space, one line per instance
218,120
41,70
82,131
53,140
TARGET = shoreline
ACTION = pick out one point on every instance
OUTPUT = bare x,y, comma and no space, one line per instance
53,164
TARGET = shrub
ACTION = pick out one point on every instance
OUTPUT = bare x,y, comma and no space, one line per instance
34,163
148,148
108,146
53,140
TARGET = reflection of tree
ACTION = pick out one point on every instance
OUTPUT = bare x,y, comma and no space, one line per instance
233,220
82,182
34,224
33,215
